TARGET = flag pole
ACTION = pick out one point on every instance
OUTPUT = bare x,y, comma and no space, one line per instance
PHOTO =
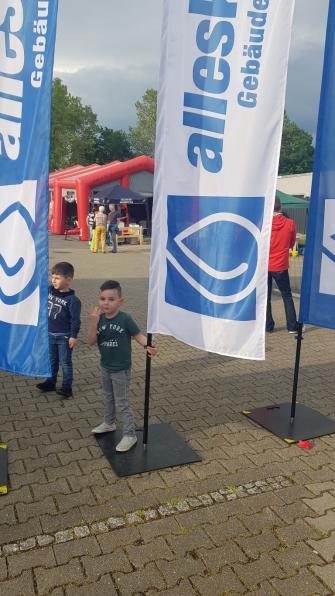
147,393
296,372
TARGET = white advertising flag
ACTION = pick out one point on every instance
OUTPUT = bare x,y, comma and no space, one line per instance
220,113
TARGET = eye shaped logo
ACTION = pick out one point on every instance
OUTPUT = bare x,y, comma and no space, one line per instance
327,274
18,258
19,291
212,260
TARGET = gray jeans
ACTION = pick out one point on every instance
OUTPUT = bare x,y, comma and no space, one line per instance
113,236
115,386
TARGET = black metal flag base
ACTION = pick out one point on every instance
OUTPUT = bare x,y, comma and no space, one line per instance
165,449
307,423
3,469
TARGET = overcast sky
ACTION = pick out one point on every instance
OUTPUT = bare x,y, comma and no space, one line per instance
107,53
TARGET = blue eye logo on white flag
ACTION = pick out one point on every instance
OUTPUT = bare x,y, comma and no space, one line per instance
212,255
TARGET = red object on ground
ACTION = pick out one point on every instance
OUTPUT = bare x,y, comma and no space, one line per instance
305,444
72,232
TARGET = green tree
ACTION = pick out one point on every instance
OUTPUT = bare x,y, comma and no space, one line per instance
142,136
296,155
111,145
297,151
74,129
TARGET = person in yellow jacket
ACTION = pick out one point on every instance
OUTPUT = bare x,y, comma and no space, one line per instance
100,230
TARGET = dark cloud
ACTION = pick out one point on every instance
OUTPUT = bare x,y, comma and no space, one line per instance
303,92
107,52
306,60
107,33
111,92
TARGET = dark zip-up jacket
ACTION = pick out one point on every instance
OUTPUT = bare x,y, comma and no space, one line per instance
64,312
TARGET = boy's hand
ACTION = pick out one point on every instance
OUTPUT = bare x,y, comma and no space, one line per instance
95,313
72,342
152,351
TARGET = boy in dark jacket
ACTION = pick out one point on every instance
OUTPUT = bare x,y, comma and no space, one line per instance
64,324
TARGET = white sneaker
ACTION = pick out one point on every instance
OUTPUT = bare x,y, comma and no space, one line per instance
103,428
126,443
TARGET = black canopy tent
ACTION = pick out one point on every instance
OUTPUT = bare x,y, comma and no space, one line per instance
118,194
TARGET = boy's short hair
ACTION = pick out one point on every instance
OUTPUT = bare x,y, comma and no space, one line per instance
111,284
63,268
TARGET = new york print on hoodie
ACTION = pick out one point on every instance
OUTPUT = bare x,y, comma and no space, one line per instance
64,312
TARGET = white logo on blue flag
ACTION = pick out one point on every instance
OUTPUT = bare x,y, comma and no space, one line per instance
27,35
212,255
327,274
19,291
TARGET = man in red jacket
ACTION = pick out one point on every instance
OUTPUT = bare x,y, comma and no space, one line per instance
282,239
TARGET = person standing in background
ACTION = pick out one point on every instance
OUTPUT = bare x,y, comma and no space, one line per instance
113,218
90,222
100,219
283,236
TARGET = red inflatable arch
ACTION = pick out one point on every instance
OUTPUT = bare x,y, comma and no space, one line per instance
83,181
65,180
63,173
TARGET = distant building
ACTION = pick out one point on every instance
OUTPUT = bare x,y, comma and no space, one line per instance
298,185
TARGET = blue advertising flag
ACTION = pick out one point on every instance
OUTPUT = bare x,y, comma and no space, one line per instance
317,304
27,35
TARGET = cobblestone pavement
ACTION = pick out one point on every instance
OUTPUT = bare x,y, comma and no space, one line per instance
255,516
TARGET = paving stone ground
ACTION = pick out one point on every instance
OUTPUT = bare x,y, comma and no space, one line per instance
271,529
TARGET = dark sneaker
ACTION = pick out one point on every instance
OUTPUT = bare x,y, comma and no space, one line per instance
65,391
46,386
